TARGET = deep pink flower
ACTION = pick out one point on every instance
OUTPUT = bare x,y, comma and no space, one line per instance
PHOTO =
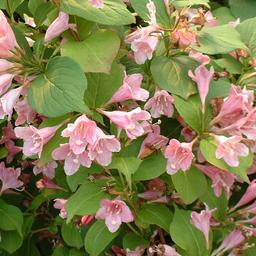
130,121
7,37
45,182
210,21
230,149
48,169
248,196
34,139
86,219
102,149
72,161
8,101
5,82
8,133
179,156
202,77
114,212
202,58
9,177
12,149
153,141
80,133
232,240
221,180
188,133
60,204
130,89
202,222
97,3
160,104
58,26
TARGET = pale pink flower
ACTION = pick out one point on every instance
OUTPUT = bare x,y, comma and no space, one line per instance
12,149
202,77
221,180
230,149
58,26
248,196
102,149
114,212
5,65
130,121
162,250
34,139
45,182
153,141
30,41
232,240
235,23
249,209
72,161
179,156
130,89
5,82
183,37
7,37
210,21
9,177
160,104
60,204
80,133
24,112
29,21
8,101
202,58
202,222
97,3
248,125
137,252
48,169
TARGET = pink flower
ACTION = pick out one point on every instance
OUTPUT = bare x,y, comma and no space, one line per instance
232,240
221,180
7,37
114,212
8,101
130,121
153,141
58,26
9,177
60,204
183,37
137,252
25,113
5,82
34,139
29,21
203,78
5,65
160,104
230,149
163,250
188,133
202,58
248,196
72,161
202,222
48,169
86,219
80,133
210,21
97,3
130,90
248,125
12,149
101,150
179,156
45,182
8,133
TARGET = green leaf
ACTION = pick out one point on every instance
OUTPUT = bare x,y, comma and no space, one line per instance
96,53
162,17
131,241
220,39
151,167
171,74
10,241
243,9
29,248
184,3
208,148
12,5
101,87
223,15
113,13
71,235
98,238
42,11
34,4
230,64
126,165
11,218
184,183
218,89
156,214
60,251
186,236
74,252
86,200
59,90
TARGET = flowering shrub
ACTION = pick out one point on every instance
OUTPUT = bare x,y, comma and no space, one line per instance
128,127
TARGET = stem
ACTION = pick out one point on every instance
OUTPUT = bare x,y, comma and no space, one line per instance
9,10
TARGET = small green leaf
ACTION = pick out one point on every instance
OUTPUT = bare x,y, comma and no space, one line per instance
71,235
155,214
96,53
184,183
60,251
131,241
59,90
223,15
243,9
12,5
171,74
98,238
184,3
230,64
10,241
